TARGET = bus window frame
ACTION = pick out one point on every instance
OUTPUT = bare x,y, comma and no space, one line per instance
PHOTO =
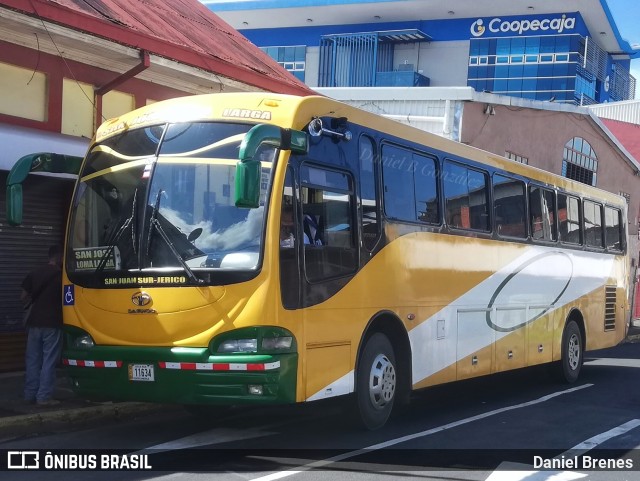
438,169
580,221
353,212
439,192
533,184
603,246
489,197
621,229
377,175
508,175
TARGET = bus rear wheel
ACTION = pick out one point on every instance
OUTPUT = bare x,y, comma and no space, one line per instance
377,382
572,353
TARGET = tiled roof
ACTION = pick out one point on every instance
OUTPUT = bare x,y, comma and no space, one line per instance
181,30
628,134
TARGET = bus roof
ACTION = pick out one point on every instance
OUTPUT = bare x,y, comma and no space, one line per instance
295,112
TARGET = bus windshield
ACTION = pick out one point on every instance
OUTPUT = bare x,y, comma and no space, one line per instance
157,204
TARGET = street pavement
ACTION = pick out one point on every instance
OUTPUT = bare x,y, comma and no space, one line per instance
19,417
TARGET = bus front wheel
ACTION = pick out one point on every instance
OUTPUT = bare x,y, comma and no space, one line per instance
572,352
377,382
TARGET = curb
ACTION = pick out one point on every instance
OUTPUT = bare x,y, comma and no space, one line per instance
77,415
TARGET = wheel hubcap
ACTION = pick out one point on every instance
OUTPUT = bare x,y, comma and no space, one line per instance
573,350
382,381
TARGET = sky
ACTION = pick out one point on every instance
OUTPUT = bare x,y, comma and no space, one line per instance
626,14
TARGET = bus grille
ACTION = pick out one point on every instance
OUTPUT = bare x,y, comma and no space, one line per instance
609,308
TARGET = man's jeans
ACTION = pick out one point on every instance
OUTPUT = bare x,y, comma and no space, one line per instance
44,347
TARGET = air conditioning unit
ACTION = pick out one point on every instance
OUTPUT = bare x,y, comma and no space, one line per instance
406,67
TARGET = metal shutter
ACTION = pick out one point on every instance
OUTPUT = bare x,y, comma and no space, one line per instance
23,248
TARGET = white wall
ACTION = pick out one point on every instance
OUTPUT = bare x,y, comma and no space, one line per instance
19,141
445,63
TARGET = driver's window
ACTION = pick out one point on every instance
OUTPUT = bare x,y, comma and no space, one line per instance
289,271
328,223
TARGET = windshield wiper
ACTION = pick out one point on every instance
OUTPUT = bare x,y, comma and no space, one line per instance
116,235
155,224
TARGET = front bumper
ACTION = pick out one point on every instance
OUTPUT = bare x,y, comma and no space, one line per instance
182,375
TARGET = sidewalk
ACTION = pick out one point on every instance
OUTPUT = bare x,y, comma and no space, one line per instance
17,416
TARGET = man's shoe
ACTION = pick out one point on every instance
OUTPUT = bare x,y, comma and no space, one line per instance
48,402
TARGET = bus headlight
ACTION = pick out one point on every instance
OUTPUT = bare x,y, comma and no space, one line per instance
83,342
258,340
277,343
238,345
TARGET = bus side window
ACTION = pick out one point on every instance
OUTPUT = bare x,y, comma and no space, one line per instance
466,193
369,192
613,231
593,224
328,202
289,271
542,208
509,205
569,219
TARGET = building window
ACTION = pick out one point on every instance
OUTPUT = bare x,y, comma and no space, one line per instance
626,196
292,58
536,68
516,157
579,161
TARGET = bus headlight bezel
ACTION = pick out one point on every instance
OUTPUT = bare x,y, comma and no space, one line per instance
280,343
231,346
83,341
254,340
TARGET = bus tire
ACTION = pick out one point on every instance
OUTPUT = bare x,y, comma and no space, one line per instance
377,382
572,353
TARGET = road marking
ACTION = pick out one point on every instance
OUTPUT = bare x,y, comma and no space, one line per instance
213,436
223,435
519,472
410,437
598,439
614,362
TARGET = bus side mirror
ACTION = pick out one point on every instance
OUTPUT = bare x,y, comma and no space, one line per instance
247,192
249,167
14,204
38,162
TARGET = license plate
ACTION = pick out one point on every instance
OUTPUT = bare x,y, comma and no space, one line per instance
141,372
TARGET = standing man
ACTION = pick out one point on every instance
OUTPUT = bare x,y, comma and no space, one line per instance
43,288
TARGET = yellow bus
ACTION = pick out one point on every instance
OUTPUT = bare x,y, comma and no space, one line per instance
255,248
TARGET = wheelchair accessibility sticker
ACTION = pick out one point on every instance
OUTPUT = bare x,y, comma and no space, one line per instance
69,298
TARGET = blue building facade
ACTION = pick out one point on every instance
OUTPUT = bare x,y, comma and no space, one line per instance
545,58
550,56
